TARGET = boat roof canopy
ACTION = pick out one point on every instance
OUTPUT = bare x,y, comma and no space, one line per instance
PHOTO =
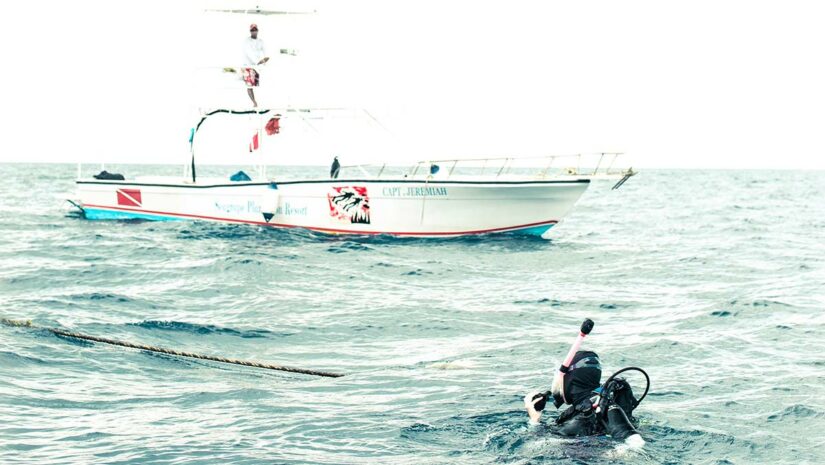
209,113
258,11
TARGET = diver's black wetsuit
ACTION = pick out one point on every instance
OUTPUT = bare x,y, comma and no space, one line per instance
593,411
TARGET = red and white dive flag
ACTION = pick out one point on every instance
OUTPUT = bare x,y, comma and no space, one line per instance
254,144
129,197
273,126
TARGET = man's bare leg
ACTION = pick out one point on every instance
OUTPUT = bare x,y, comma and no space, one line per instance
252,96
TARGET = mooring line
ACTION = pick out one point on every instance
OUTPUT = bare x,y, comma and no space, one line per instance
114,342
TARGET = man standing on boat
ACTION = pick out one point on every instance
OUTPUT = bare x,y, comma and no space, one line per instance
254,54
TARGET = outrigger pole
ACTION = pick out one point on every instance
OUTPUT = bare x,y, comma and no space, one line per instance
558,379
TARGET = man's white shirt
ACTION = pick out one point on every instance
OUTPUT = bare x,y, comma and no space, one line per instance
254,51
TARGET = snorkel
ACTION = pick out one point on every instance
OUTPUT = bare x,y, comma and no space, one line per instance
538,401
557,389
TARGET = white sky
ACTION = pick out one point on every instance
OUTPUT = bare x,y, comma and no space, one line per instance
698,84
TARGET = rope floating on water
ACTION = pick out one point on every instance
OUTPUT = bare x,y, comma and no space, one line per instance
114,342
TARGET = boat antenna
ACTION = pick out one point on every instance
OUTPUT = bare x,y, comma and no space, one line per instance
258,11
192,151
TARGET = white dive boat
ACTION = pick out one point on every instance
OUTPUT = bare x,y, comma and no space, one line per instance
431,199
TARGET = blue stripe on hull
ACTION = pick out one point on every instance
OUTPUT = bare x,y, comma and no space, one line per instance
534,231
97,214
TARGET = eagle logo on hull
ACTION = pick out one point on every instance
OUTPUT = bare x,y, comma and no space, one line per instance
350,204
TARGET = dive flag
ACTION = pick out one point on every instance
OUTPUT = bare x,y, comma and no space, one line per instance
254,144
129,197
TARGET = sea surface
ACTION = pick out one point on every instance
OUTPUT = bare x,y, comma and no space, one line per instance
712,281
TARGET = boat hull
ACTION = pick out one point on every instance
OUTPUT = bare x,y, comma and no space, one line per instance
393,207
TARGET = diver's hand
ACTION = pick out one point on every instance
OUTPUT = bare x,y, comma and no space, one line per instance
530,401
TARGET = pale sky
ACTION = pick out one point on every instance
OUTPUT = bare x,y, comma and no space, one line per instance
692,84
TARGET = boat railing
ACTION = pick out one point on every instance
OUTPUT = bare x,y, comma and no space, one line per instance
592,164
602,165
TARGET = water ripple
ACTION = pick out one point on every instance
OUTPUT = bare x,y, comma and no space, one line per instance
711,281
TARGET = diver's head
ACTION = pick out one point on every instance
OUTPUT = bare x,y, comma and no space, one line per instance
582,377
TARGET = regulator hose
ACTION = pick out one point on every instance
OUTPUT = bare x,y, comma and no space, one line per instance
636,401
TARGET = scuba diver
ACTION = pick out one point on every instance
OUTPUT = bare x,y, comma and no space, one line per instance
594,408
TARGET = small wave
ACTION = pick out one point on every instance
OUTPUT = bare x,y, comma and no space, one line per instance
426,327
543,301
259,236
453,365
196,399
632,445
134,221
384,264
612,306
367,328
14,359
204,329
722,313
672,445
666,394
769,303
506,435
349,246
204,230
759,303
416,272
795,412
94,435
460,433
243,261
101,296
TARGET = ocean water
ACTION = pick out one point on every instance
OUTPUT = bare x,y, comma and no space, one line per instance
712,281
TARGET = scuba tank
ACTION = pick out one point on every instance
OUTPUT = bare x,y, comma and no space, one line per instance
594,409
616,403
